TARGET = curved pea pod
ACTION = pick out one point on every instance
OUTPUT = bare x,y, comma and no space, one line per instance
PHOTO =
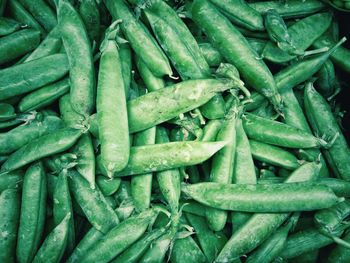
11,180
312,26
42,12
140,39
21,135
211,54
44,96
40,147
92,202
186,250
141,161
55,243
231,44
210,242
37,73
260,226
120,238
18,43
8,26
7,112
136,250
164,104
77,46
273,155
295,8
90,15
84,151
33,209
240,13
168,180
10,202
340,254
280,134
324,123
69,116
62,207
108,186
111,110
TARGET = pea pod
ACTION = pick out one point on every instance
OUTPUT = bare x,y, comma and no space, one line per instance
108,186
140,38
37,73
7,112
90,14
8,26
111,108
231,44
42,147
165,104
69,116
187,250
55,243
11,180
151,81
9,211
33,209
211,54
77,47
327,82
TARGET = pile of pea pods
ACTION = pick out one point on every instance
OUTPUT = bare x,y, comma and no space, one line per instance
173,131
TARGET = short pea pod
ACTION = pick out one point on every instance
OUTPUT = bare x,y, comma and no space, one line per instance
10,202
324,123
187,250
140,38
120,237
92,202
55,243
78,49
62,206
240,13
165,104
43,146
222,165
231,44
17,44
90,14
11,180
33,209
21,135
312,26
280,134
111,109
42,12
141,185
37,73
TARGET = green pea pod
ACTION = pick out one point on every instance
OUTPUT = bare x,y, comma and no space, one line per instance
33,209
140,39
68,115
92,202
273,155
211,130
8,26
62,207
9,211
294,9
85,158
42,12
90,15
231,44
312,26
339,187
126,64
141,185
165,104
77,46
280,134
55,243
44,96
19,13
51,44
93,122
111,109
211,54
7,112
136,250
168,180
43,146
210,242
323,122
151,81
260,226
140,157
241,13
327,83
257,44
186,250
37,73
11,180
120,238
340,254
108,186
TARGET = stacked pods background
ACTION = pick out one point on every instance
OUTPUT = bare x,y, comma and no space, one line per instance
181,131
